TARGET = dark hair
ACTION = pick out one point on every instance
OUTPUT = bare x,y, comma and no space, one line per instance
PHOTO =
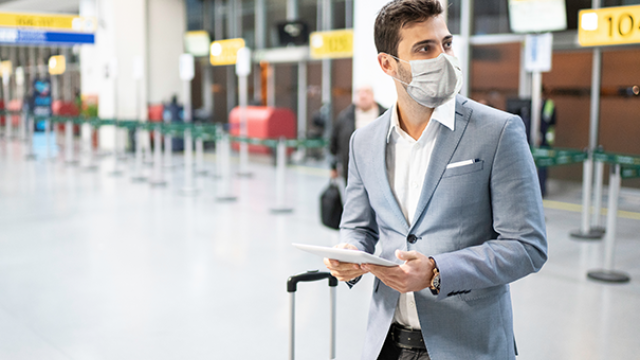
395,15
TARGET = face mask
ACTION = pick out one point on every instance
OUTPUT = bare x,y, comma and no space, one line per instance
434,81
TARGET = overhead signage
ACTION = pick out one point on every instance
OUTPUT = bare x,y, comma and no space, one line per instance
197,43
538,50
225,52
187,68
39,37
49,21
331,44
536,16
243,63
609,26
6,68
57,65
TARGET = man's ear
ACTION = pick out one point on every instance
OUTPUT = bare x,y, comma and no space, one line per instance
385,64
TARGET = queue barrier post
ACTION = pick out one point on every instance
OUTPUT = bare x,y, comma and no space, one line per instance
188,188
168,149
68,143
223,150
586,232
30,124
88,157
219,131
24,134
200,170
139,168
596,220
158,176
281,168
116,150
607,273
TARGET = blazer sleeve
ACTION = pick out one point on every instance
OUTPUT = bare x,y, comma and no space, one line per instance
358,225
520,247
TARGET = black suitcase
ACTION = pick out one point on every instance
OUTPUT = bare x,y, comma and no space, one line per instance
308,276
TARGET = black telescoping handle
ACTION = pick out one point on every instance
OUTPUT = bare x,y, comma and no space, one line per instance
312,275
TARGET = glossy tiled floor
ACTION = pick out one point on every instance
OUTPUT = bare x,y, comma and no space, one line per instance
94,267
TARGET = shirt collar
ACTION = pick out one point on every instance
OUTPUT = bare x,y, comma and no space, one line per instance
445,114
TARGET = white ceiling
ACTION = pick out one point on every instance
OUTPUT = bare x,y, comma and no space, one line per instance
40,6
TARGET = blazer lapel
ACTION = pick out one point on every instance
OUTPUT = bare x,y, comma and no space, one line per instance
380,169
446,143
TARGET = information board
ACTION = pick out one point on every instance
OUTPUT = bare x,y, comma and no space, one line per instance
331,44
609,26
225,52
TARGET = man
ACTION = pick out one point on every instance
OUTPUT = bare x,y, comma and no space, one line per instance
362,112
448,187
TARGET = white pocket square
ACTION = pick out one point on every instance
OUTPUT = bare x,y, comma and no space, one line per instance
461,163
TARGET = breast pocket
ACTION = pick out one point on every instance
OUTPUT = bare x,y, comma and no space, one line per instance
465,169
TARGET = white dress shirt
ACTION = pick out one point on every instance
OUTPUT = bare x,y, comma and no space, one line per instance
407,161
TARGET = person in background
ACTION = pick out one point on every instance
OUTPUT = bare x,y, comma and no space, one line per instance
362,112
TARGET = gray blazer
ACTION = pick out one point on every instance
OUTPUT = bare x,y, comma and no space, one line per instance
482,223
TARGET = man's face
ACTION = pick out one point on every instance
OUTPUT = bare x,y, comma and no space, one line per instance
364,98
423,40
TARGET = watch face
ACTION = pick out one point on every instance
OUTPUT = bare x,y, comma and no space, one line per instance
436,281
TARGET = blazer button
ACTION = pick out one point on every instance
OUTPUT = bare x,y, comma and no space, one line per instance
412,239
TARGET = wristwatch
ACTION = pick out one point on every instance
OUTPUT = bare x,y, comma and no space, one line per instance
435,282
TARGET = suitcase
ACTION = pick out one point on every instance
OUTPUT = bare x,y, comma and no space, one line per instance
309,276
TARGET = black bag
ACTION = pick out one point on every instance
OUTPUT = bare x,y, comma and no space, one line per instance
331,206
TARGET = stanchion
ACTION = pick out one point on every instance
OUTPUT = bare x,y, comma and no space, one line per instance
243,69
223,149
24,133
596,220
116,148
68,143
47,138
200,170
139,170
608,274
188,188
87,148
585,232
168,150
30,124
216,144
158,177
281,167
187,72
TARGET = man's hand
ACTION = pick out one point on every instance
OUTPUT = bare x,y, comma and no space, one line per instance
414,275
341,270
333,174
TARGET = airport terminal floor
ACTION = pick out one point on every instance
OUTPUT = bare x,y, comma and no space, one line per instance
96,267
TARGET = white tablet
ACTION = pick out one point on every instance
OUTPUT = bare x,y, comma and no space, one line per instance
345,255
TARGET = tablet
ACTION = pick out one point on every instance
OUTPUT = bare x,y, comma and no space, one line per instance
345,255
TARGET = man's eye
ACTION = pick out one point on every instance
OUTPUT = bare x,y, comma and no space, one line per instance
448,44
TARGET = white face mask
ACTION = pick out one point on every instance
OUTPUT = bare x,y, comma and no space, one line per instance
434,81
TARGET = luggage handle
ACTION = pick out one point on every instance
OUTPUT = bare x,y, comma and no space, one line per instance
309,276
312,275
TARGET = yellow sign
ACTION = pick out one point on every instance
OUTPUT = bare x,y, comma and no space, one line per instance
225,52
46,21
609,26
6,68
331,44
57,65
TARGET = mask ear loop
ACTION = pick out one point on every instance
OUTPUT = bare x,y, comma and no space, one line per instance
397,58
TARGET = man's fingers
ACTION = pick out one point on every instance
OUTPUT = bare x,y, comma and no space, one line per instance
406,255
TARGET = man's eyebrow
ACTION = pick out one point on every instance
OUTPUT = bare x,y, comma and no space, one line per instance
423,43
